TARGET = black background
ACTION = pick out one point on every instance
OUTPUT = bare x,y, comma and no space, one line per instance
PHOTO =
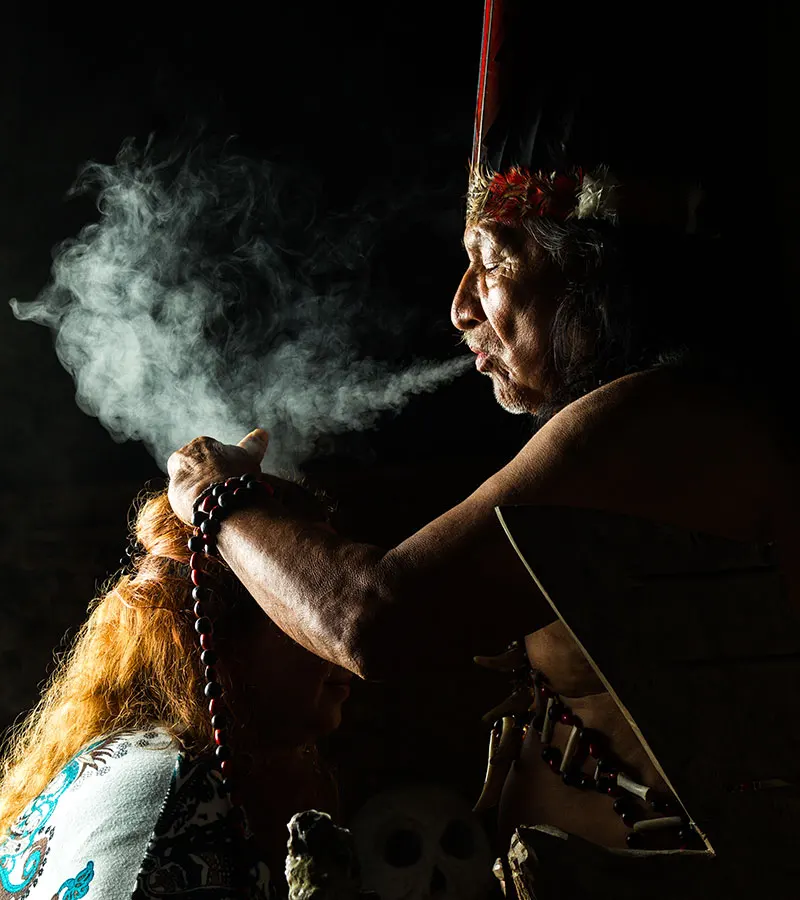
373,99
375,103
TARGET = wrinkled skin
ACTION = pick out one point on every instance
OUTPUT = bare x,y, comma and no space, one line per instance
504,308
651,444
204,461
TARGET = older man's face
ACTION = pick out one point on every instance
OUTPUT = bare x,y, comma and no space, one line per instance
504,308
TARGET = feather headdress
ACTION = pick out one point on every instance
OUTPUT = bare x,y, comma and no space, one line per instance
572,135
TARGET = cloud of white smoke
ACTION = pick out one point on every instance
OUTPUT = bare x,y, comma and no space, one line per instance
183,311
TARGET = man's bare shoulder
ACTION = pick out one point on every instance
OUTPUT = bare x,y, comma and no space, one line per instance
659,400
657,444
670,409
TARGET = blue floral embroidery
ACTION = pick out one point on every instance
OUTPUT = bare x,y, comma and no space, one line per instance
23,853
77,887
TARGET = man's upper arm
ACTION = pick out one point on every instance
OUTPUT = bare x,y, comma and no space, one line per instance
458,579
643,447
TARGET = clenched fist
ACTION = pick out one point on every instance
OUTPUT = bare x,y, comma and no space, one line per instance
204,461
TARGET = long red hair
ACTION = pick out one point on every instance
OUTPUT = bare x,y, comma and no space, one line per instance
133,663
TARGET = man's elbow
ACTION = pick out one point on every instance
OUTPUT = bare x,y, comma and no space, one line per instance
372,636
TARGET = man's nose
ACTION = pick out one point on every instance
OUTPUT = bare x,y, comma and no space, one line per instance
466,312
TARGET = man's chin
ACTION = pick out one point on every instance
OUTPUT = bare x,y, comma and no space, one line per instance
511,399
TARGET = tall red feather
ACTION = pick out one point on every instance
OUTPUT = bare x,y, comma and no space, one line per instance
488,76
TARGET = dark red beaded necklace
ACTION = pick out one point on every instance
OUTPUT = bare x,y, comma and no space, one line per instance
216,502
547,711
608,777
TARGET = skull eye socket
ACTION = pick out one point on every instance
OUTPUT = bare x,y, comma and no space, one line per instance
458,839
403,848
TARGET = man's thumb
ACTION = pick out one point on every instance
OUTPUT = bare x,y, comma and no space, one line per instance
255,443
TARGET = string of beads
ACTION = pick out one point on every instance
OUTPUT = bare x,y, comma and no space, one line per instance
609,777
213,505
631,799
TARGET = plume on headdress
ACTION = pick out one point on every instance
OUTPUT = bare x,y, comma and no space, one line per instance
642,110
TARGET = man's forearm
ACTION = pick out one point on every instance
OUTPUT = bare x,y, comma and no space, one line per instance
321,589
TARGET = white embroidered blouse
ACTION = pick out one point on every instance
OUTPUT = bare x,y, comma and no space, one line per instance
130,817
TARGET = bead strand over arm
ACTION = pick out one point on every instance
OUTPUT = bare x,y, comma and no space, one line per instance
216,502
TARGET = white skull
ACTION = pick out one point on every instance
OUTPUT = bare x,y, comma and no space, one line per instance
422,843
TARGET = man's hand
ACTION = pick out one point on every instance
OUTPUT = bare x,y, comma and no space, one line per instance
204,461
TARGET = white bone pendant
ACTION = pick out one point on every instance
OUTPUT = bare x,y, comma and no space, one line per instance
515,704
633,787
657,824
507,661
571,749
549,723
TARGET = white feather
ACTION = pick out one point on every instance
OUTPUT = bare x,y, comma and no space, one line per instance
598,196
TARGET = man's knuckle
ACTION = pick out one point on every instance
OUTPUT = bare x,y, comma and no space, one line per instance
203,445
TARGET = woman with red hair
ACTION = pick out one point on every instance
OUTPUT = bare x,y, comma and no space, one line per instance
111,788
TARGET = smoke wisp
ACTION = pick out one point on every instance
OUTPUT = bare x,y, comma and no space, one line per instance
207,299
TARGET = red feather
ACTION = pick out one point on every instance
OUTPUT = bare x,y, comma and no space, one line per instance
488,75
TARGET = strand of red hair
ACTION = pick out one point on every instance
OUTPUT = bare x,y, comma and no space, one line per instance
133,664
